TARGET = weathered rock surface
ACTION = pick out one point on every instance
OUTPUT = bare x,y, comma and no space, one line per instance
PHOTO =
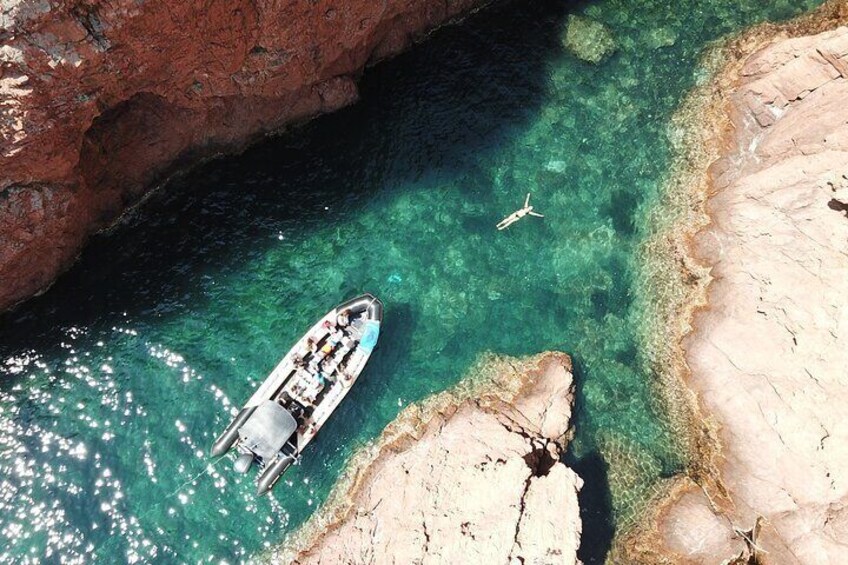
468,476
588,40
768,358
100,100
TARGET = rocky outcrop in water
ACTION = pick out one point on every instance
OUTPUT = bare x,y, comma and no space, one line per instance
472,475
588,40
768,355
99,101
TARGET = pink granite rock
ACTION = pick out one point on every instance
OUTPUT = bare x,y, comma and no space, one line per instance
768,358
469,476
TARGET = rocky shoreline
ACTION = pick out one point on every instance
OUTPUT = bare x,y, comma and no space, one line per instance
471,474
754,233
103,101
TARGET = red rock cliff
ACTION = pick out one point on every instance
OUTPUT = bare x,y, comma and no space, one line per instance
100,100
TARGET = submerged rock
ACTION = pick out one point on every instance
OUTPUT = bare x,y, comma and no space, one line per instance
660,37
472,475
556,166
588,40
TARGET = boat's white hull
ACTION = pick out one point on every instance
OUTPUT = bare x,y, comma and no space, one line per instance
343,363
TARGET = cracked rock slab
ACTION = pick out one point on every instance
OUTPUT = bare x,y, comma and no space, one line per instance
468,476
768,357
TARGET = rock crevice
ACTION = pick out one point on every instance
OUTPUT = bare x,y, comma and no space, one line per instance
475,476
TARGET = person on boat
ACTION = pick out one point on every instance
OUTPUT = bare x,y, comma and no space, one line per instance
343,319
309,347
305,349
527,210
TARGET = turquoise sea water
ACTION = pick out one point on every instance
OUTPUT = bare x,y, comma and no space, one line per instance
115,382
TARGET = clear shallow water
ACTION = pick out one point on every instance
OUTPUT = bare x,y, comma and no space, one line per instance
117,380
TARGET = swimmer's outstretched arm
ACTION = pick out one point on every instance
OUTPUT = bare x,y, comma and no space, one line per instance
527,200
536,214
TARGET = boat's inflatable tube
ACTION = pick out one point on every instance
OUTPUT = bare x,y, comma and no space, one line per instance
375,310
226,440
367,303
272,472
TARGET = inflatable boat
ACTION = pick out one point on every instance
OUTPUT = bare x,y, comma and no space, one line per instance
285,413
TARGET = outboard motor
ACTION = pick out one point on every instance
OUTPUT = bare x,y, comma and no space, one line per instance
243,462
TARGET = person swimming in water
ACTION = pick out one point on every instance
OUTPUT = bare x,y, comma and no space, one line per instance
527,210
